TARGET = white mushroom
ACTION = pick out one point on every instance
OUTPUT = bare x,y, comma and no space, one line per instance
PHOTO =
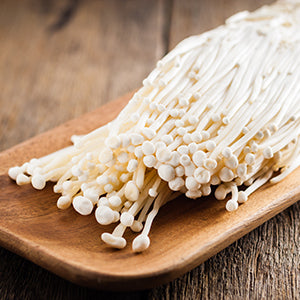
222,108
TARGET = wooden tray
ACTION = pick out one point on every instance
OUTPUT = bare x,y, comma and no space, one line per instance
184,234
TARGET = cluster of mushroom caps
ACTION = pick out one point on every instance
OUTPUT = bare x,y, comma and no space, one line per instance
219,112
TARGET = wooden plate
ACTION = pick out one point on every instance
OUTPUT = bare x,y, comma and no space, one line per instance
185,232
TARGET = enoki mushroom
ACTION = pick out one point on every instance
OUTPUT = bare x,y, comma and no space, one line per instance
221,109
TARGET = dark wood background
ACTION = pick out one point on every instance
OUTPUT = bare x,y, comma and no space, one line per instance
59,59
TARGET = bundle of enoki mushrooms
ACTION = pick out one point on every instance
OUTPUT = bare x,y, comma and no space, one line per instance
221,109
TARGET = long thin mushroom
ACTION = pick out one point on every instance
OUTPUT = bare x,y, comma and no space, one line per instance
221,109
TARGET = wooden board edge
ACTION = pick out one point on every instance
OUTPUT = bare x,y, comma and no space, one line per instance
115,282
70,127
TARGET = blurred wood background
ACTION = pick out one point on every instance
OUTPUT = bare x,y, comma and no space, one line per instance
59,59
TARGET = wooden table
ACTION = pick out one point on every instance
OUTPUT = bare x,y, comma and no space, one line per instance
59,59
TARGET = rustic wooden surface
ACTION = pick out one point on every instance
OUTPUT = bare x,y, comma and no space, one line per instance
68,244
59,59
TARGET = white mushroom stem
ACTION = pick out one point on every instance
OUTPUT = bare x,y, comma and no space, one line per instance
222,109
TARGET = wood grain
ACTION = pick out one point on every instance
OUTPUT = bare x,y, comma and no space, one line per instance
44,70
185,234
50,75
